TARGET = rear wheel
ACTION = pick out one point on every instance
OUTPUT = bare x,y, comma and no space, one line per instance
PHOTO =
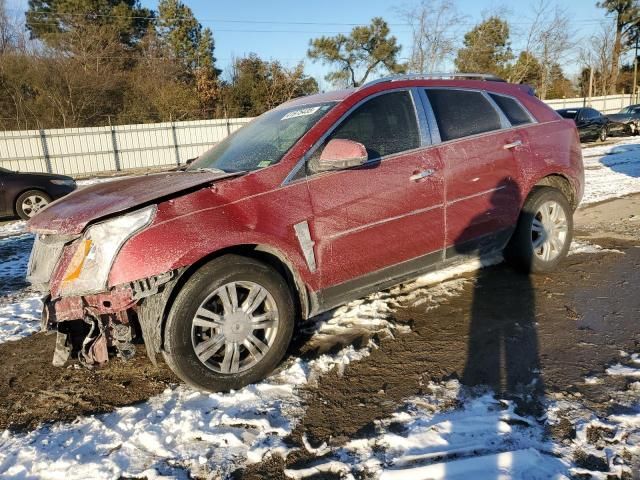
544,232
231,324
603,134
31,202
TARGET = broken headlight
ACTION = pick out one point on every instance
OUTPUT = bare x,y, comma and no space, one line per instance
88,270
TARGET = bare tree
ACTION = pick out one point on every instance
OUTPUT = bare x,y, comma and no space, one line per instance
547,42
435,29
553,42
595,54
10,32
627,17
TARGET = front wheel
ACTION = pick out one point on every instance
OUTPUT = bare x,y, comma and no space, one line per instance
544,232
230,325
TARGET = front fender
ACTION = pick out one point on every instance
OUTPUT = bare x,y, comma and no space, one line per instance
173,242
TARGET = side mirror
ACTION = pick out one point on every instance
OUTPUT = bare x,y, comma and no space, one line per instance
339,154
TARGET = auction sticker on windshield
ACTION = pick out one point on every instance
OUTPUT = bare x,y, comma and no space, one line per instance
301,113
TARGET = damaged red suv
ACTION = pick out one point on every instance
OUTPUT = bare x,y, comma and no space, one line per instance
313,204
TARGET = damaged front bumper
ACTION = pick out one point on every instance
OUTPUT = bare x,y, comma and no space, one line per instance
94,326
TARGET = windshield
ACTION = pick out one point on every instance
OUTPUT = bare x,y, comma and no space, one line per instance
568,113
264,141
630,109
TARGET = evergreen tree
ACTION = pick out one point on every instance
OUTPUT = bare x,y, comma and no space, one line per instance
486,48
366,50
58,22
192,45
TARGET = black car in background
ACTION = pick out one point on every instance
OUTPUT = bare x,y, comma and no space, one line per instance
592,125
629,117
24,194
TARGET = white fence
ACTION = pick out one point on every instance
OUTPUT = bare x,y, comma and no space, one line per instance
607,104
86,151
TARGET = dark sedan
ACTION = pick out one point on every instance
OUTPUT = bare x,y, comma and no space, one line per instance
629,118
592,125
24,194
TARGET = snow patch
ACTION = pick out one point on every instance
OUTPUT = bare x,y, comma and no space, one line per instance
579,246
623,371
484,438
20,319
9,229
611,171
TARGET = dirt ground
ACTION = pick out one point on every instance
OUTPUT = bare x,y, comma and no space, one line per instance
503,330
33,392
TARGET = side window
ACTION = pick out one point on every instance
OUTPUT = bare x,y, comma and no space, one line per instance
460,113
385,125
512,110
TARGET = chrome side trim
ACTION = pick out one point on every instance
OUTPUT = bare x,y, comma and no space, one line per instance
385,220
423,124
430,116
504,121
306,244
479,194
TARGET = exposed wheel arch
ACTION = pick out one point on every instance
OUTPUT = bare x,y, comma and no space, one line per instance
264,253
562,183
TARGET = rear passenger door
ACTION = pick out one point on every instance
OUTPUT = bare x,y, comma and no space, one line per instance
480,148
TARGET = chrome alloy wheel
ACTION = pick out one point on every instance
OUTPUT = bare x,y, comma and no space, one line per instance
549,231
33,204
234,327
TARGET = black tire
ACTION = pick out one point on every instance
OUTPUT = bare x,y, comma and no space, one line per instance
179,351
23,211
520,251
604,133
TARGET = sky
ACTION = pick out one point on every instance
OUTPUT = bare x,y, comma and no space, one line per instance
281,29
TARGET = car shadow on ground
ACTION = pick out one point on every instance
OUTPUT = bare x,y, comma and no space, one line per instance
623,159
502,350
502,347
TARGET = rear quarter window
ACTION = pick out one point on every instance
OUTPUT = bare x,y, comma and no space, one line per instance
461,113
512,110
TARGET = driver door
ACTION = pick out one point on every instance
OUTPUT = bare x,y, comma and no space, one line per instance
385,218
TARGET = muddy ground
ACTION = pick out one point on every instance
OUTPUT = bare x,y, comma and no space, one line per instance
502,331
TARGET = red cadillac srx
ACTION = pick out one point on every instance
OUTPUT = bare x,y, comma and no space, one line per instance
313,204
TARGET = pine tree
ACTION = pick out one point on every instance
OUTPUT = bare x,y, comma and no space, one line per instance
486,48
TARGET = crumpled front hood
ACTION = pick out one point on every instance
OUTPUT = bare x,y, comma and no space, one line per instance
619,117
71,214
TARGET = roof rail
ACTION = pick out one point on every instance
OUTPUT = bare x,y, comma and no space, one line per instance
488,77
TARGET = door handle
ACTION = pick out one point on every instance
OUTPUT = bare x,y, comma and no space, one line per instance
516,144
420,175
